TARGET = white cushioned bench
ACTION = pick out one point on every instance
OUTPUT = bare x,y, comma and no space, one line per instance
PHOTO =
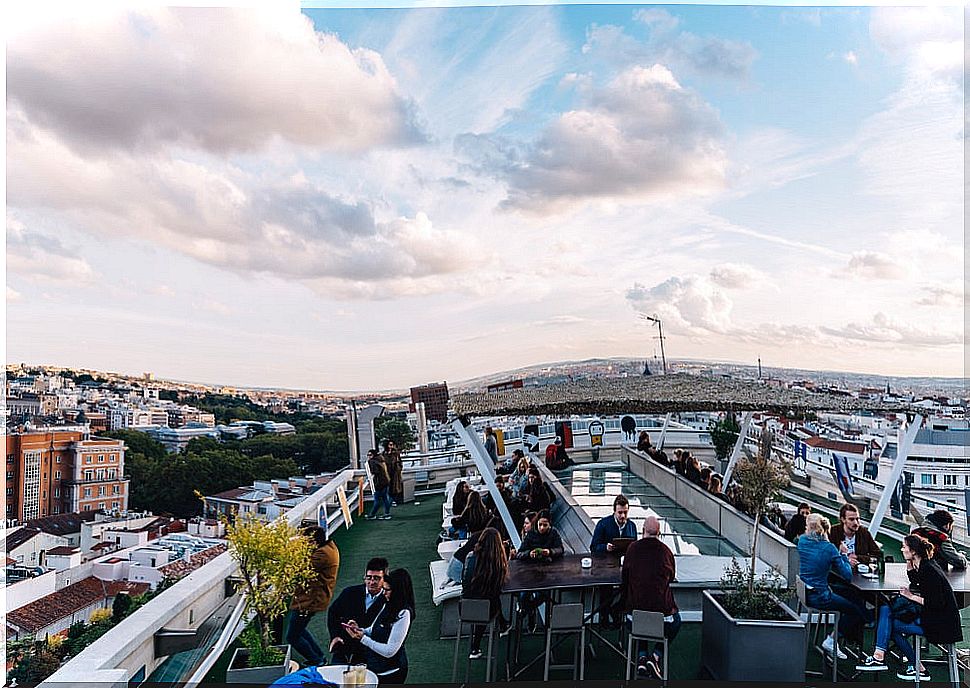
441,589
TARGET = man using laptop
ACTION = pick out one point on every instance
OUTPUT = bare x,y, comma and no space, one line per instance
612,534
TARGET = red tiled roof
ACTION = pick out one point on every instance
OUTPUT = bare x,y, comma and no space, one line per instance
103,545
836,445
182,567
56,606
62,551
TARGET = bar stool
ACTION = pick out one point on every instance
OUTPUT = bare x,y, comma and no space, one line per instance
649,627
566,619
951,660
473,613
821,624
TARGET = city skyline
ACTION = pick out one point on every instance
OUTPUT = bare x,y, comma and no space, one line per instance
366,199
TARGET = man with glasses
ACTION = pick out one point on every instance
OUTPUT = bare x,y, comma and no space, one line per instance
361,603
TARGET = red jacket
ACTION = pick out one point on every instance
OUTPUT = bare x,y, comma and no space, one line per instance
648,570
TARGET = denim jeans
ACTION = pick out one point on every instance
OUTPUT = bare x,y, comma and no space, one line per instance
896,630
381,497
455,568
300,638
853,612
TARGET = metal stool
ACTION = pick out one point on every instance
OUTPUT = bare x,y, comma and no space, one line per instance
473,613
951,660
565,619
647,626
812,638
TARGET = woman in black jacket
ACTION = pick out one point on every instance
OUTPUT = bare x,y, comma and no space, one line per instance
536,494
475,516
932,613
486,569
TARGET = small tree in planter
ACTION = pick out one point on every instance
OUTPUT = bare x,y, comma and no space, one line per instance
749,633
274,563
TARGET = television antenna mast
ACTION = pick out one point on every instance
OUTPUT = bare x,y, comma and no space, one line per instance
660,328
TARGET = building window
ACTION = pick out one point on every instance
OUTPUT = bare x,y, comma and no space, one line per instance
57,475
115,489
9,475
100,505
928,479
87,459
10,458
87,491
114,505
949,479
100,458
57,492
58,458
10,492
101,490
57,509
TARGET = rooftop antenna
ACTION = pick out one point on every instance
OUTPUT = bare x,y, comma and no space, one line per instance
759,367
660,327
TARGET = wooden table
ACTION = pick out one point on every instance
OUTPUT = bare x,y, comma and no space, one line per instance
528,575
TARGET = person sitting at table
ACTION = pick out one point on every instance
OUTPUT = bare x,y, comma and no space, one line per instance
542,542
795,527
616,525
648,570
938,529
535,497
519,480
486,570
473,518
509,465
853,539
384,638
817,557
362,602
932,613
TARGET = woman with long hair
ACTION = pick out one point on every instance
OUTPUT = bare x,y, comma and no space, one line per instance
816,558
932,613
474,517
486,570
384,639
536,496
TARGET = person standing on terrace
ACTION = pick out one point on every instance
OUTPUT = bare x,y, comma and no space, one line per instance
382,483
649,568
325,561
491,444
363,602
395,470
384,638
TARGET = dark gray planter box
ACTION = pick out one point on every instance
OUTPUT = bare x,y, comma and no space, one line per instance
240,672
746,650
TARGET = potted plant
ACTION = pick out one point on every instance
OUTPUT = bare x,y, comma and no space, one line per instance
749,633
274,563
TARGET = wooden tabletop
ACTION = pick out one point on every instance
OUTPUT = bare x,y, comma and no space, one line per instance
567,572
895,578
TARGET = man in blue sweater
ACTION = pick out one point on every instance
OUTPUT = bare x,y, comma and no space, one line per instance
616,525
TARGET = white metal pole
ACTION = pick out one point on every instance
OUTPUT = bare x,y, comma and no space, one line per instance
745,423
902,453
663,433
477,451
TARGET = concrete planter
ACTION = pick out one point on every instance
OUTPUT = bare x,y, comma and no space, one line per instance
748,650
239,670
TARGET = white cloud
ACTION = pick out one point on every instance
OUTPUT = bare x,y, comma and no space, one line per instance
642,137
13,295
851,58
209,305
943,295
659,21
41,257
219,79
883,329
691,304
162,290
874,265
736,276
928,39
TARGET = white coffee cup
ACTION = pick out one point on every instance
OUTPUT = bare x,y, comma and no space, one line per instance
863,569
586,563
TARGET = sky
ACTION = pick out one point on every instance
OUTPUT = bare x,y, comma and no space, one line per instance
376,198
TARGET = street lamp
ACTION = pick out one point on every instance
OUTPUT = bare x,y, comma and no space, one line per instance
663,357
